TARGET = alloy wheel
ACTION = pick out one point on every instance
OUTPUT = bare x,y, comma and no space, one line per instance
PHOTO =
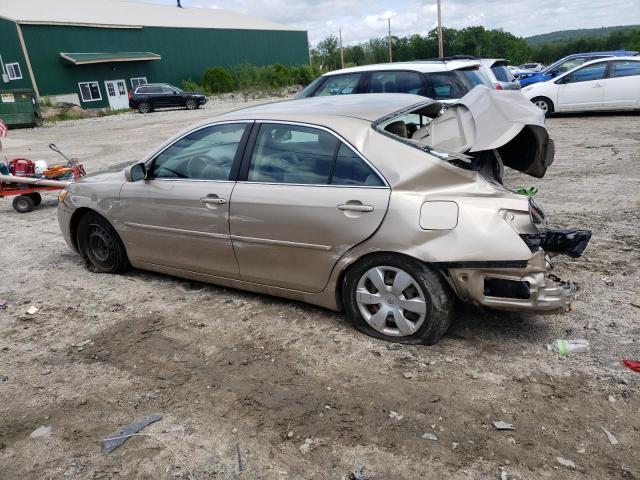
391,301
542,105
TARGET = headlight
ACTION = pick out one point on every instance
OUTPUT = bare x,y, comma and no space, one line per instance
63,194
536,213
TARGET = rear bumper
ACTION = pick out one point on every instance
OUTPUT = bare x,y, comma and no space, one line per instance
531,288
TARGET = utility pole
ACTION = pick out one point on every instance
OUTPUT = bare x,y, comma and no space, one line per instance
389,41
440,42
341,50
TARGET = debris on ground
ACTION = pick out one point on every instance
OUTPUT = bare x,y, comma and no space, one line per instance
3,304
32,310
565,347
612,439
608,281
429,436
529,192
636,302
239,454
306,446
41,432
3,378
81,344
395,415
116,439
407,375
503,475
500,425
632,364
393,346
565,462
358,474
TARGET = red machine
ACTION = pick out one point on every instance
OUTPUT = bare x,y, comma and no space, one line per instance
22,167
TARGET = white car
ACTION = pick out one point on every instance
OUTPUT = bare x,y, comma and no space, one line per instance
445,80
497,71
605,84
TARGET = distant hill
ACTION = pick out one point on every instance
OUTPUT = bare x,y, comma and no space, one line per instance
564,35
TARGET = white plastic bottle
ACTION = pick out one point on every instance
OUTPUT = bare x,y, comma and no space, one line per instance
565,347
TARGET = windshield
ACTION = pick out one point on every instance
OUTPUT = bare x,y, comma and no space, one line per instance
453,84
309,89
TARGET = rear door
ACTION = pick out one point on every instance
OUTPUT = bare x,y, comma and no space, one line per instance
583,89
306,198
622,88
179,216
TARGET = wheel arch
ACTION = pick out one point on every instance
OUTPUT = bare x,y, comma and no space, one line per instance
75,220
339,285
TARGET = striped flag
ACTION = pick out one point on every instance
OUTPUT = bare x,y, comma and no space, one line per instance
3,129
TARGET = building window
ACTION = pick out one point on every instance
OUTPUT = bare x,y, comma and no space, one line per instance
13,70
90,91
138,81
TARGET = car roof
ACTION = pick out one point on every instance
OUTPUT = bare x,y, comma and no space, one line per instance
611,53
607,59
320,109
423,66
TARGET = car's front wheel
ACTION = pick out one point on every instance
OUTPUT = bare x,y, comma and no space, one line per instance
398,299
144,107
191,104
543,104
100,245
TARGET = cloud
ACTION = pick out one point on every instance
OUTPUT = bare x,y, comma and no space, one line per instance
361,20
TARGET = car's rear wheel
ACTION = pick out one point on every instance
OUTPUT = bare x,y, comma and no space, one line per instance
398,299
191,104
100,245
544,104
144,107
23,204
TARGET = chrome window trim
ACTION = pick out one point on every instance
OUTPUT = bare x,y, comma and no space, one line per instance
340,138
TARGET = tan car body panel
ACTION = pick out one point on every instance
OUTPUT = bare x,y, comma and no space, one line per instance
306,237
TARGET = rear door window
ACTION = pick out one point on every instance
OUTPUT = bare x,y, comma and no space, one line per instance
350,169
502,73
395,82
622,68
339,85
292,154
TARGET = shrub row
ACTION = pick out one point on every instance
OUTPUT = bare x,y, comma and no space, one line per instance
245,77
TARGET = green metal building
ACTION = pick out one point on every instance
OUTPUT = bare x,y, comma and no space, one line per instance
92,52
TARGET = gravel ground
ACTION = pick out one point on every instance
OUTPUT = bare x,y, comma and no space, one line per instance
255,387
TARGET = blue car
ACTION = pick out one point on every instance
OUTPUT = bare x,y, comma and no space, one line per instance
568,63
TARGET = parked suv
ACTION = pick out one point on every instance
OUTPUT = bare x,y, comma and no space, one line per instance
569,63
443,80
146,98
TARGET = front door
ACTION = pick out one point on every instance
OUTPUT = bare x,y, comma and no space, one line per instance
582,89
179,216
305,200
117,94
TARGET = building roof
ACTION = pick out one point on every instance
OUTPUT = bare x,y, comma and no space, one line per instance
84,58
425,66
118,13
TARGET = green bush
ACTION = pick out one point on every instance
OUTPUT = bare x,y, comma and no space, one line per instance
276,76
304,74
189,85
217,80
246,76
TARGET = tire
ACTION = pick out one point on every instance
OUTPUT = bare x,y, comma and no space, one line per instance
23,204
100,245
422,285
36,197
144,107
191,104
544,104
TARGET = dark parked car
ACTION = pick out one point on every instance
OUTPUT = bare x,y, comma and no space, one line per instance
146,98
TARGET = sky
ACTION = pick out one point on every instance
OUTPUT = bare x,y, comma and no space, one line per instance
364,19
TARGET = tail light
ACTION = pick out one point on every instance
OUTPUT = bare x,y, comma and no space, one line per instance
498,86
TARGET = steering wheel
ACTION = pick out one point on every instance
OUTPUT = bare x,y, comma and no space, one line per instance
199,164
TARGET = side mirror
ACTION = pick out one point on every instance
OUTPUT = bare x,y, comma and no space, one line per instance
136,172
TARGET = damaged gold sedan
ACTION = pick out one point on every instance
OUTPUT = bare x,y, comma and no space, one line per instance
385,206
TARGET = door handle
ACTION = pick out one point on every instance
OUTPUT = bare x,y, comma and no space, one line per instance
354,207
213,200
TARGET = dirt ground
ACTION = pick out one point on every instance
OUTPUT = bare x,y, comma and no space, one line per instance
256,387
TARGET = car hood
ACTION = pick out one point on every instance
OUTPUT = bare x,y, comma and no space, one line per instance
502,122
112,173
